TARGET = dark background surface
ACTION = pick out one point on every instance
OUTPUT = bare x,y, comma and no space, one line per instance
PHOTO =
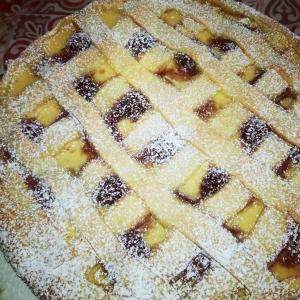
22,21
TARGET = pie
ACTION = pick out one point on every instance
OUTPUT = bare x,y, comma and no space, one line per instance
151,150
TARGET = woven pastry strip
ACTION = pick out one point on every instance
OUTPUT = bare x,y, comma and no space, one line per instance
70,195
131,172
212,205
252,42
209,142
150,190
35,236
44,153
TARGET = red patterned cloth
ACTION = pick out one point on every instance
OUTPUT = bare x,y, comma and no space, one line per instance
22,21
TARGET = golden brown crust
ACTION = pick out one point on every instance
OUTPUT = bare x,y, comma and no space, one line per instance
277,33
152,187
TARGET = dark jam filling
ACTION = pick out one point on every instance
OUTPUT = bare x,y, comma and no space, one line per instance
186,65
5,155
259,74
185,68
109,191
292,159
78,42
253,133
140,43
32,129
289,256
239,234
135,244
133,240
131,106
41,192
194,271
62,114
86,87
252,27
158,152
287,93
222,44
235,232
146,223
89,150
207,110
214,180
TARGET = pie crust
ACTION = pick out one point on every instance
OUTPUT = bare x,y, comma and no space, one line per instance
151,150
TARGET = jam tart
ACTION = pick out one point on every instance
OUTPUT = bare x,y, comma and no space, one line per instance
151,150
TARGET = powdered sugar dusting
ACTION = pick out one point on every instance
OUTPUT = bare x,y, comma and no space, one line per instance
58,259
140,43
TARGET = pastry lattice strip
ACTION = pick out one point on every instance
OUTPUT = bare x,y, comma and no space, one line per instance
115,157
48,171
252,42
223,122
56,252
211,278
249,97
129,69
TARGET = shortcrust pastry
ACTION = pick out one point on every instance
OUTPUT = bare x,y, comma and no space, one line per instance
151,150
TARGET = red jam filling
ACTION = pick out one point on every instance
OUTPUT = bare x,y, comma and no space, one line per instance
185,68
133,240
222,44
207,110
289,255
287,93
78,42
32,129
259,74
157,152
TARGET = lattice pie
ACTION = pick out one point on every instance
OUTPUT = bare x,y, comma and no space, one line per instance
151,150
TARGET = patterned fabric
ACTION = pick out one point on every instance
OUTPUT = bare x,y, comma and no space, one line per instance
22,21
287,12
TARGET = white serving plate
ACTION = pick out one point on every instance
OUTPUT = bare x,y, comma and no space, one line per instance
11,286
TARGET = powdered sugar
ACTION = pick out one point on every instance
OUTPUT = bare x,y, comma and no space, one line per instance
140,43
74,204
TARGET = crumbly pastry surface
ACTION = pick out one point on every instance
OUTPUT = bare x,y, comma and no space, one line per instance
151,150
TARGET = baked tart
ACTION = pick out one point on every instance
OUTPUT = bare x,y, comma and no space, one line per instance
151,150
